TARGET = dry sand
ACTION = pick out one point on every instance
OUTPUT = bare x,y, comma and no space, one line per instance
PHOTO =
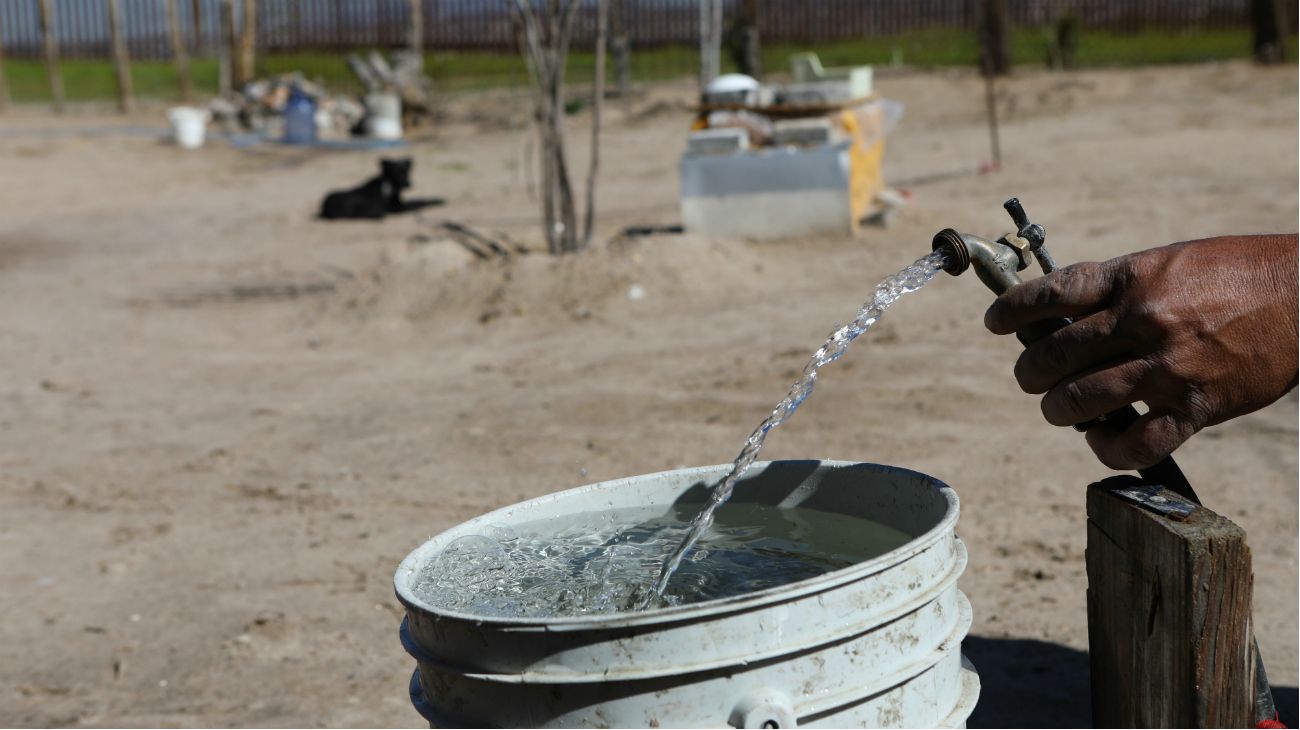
225,422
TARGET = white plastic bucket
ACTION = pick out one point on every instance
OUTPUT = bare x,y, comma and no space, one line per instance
385,116
876,644
189,125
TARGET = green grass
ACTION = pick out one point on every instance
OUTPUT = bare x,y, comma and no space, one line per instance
87,80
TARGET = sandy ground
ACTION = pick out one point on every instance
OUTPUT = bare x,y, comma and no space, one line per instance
225,422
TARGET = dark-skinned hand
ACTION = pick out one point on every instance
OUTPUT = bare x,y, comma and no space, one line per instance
1200,332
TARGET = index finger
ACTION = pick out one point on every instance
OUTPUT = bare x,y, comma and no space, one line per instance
1073,291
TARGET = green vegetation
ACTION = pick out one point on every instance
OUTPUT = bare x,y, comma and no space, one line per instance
93,79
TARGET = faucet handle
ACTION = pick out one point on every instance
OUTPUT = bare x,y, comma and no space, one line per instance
1017,213
1031,232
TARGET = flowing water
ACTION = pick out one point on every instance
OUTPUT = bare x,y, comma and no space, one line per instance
887,292
640,558
606,562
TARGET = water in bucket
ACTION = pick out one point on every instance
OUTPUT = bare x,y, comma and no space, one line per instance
636,559
607,561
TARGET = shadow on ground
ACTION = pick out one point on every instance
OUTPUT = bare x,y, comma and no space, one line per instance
1030,683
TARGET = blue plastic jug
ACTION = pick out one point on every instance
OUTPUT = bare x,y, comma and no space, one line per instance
299,118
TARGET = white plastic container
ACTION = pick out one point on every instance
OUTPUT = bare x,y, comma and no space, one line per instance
385,116
189,125
876,644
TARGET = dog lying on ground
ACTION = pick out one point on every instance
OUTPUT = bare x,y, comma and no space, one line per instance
378,196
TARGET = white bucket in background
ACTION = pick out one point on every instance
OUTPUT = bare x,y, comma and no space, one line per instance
876,644
189,125
385,116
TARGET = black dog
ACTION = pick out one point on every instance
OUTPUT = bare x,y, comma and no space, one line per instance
378,197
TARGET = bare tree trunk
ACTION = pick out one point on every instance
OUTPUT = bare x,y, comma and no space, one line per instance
248,43
180,56
996,37
710,40
226,48
121,58
51,38
548,28
1268,21
597,101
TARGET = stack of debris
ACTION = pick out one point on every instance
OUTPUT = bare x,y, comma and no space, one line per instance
259,107
404,76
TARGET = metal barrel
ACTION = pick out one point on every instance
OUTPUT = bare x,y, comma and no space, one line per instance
875,644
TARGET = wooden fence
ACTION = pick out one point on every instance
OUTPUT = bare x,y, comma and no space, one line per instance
288,25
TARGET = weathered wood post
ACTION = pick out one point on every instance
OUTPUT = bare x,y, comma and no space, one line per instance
226,47
196,17
50,35
248,44
1169,611
180,56
121,58
416,38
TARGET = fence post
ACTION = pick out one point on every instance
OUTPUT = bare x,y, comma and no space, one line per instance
226,47
196,11
416,38
1169,613
620,48
180,56
50,35
121,60
248,43
5,100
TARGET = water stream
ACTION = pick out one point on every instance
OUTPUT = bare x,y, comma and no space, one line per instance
887,292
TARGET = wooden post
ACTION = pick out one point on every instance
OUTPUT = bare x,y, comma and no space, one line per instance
226,43
416,37
51,38
710,41
180,56
248,43
1169,615
5,99
753,53
1268,20
620,47
196,13
121,59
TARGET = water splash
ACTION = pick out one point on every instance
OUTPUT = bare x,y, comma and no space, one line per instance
887,292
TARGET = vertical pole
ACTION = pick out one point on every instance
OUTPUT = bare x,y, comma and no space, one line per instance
996,37
248,43
620,47
196,11
416,37
710,40
597,102
226,46
121,60
180,56
5,99
753,39
1169,614
51,39
1268,21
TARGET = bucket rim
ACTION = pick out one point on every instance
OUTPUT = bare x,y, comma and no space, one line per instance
690,611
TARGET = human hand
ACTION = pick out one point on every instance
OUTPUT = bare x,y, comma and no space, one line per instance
1201,332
